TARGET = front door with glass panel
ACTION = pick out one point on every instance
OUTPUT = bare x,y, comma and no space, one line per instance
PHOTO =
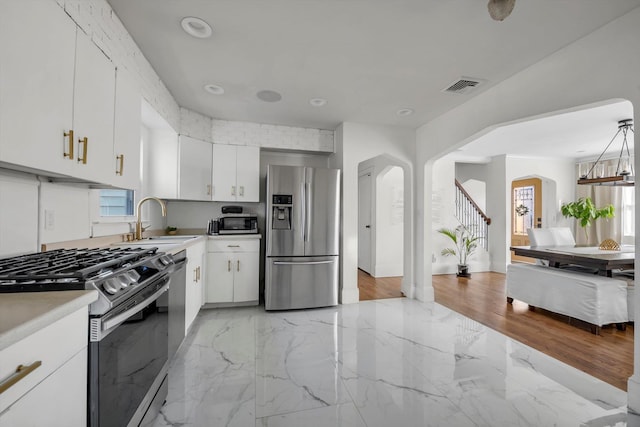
526,212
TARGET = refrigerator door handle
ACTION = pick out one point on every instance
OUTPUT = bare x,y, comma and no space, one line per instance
303,206
307,211
302,263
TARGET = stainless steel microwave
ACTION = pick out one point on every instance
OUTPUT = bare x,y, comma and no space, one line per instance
238,224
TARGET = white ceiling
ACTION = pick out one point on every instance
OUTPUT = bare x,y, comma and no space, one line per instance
368,58
581,134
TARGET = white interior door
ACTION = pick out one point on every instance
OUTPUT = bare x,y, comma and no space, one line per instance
364,222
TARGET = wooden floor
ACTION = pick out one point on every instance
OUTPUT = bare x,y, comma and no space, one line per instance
372,288
608,356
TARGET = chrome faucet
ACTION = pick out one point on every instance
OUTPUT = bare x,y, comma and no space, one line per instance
139,228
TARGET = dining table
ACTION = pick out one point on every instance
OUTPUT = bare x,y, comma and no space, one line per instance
605,261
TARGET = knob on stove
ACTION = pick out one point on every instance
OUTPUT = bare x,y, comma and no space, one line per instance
112,285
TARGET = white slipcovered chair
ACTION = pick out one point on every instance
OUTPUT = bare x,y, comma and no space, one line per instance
562,236
556,236
553,236
540,237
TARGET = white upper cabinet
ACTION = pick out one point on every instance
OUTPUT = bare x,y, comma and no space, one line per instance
224,173
126,132
56,89
93,111
195,169
248,173
161,159
36,86
236,173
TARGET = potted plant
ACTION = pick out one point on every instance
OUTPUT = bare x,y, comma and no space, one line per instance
585,211
171,230
465,245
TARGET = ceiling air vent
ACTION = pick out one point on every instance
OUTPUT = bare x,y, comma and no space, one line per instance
464,85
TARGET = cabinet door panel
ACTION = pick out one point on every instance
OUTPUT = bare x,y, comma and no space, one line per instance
93,110
58,401
126,132
36,85
161,157
224,173
220,274
193,297
246,272
195,169
248,173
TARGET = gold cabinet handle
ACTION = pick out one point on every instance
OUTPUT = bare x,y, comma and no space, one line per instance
198,274
84,141
70,144
233,246
229,265
238,265
233,190
195,275
21,372
120,159
242,190
208,189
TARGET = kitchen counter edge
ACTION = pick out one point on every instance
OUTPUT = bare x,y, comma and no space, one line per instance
235,236
24,313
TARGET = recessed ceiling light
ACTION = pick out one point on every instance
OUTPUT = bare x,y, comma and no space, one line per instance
404,112
214,89
269,96
196,27
318,102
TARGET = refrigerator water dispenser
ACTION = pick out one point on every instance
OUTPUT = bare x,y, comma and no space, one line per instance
281,216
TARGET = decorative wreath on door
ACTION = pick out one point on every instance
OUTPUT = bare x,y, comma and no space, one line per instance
522,210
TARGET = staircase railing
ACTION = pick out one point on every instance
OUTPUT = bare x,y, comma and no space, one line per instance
471,216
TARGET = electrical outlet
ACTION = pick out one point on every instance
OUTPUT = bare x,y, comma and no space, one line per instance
49,220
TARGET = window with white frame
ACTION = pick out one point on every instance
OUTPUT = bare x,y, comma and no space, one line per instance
116,203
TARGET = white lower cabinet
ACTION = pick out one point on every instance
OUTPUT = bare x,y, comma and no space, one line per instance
194,288
233,267
53,391
55,401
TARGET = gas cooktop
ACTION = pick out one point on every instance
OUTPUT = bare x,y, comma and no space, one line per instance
116,273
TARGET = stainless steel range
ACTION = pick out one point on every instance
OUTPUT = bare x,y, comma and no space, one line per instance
128,347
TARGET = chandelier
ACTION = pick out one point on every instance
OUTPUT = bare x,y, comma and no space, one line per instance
623,176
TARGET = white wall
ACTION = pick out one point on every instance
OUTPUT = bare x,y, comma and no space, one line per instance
389,223
356,142
478,192
19,213
63,212
575,76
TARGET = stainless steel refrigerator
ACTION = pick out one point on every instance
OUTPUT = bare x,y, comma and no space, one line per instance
303,235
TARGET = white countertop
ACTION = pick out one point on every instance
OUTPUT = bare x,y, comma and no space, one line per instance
235,236
23,313
168,244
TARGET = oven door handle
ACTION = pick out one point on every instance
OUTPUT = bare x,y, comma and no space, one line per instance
110,323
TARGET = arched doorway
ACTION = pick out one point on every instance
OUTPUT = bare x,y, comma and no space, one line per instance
381,213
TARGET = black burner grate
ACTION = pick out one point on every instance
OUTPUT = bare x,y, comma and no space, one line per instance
67,265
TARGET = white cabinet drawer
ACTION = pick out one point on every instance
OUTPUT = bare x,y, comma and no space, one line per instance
60,400
233,245
53,346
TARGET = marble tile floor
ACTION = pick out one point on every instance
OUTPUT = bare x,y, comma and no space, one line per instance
393,362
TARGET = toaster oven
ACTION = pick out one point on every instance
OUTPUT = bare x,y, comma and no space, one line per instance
238,224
